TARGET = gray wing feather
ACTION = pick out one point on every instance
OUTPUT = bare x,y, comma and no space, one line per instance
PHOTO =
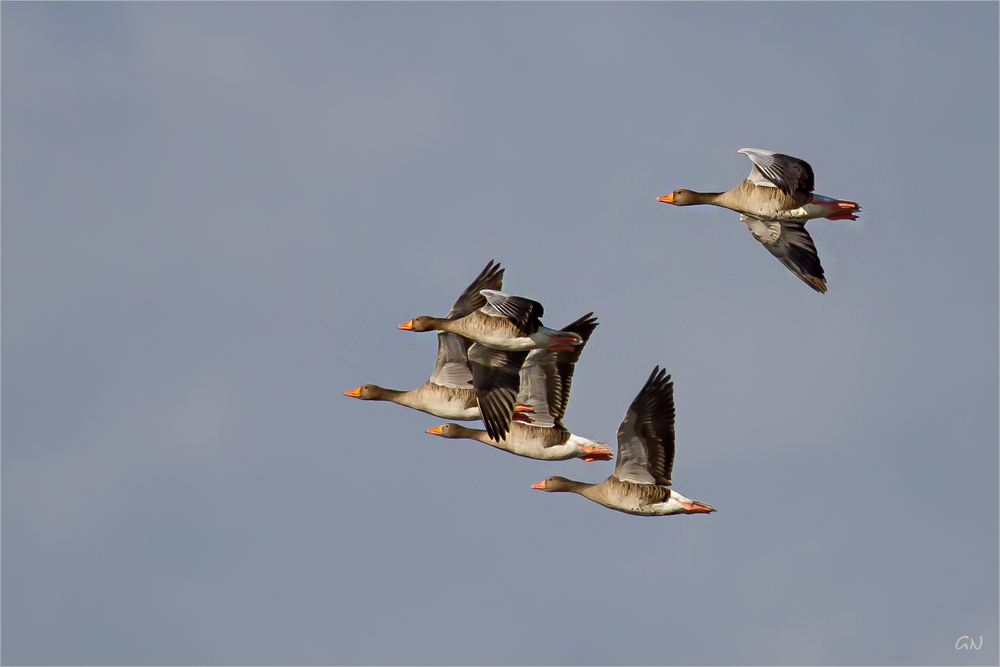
789,174
646,435
566,362
496,377
791,244
758,178
525,313
546,376
452,366
765,231
471,300
538,375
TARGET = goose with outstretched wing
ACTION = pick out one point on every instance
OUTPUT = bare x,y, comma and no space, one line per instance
640,483
504,322
774,202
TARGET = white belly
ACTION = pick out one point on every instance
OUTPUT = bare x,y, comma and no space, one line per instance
533,449
454,410
638,508
807,212
504,343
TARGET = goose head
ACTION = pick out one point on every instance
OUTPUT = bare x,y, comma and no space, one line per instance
555,483
449,431
366,392
681,198
422,323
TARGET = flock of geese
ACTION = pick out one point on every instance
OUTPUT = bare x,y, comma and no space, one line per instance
497,363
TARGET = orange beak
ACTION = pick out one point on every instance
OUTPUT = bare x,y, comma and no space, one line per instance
356,393
539,485
521,407
666,199
407,325
436,430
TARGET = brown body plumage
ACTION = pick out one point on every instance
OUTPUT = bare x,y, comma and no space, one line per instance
434,399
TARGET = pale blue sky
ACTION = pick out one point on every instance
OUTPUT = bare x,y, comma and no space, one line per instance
215,215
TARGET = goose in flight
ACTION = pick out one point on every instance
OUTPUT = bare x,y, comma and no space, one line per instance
774,202
505,322
537,431
640,483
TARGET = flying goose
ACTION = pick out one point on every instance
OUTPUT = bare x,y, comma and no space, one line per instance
450,392
774,202
537,431
505,322
640,483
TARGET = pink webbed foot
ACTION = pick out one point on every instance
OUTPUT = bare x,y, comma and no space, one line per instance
841,209
835,204
595,453
522,413
697,507
564,342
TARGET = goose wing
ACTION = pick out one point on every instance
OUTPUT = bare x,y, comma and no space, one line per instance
496,377
471,299
547,375
451,368
525,313
646,435
566,360
789,174
539,387
789,241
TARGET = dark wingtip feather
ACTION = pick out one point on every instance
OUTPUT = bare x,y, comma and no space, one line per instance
496,423
471,300
818,284
583,327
